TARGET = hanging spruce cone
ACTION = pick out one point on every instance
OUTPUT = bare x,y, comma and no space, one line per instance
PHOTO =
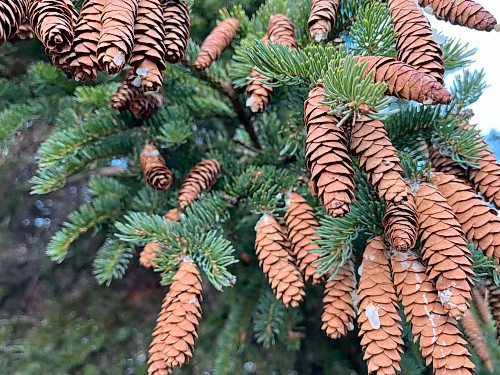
281,30
445,164
145,106
12,16
258,93
177,23
378,319
322,18
401,224
277,263
494,302
199,180
216,42
148,254
404,81
24,32
301,225
128,90
480,297
414,41
438,335
378,157
462,12
445,249
476,339
154,168
177,324
486,178
117,35
332,174
339,310
479,222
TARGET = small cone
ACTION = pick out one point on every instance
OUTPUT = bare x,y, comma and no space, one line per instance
148,254
445,164
379,323
486,179
173,215
339,310
401,224
128,90
12,17
143,107
476,339
494,302
258,93
177,23
322,18
281,30
277,263
154,168
199,180
480,297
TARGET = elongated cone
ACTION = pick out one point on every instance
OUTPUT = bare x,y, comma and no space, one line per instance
25,32
258,93
145,106
117,34
480,297
322,18
281,30
379,323
486,178
301,226
414,41
339,310
148,55
404,81
216,42
378,157
445,164
128,90
154,168
277,263
494,302
148,254
177,23
177,324
12,16
199,180
401,224
476,339
480,223
332,174
440,340
444,248
462,12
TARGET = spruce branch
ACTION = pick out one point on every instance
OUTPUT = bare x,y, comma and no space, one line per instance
456,55
467,89
111,261
268,319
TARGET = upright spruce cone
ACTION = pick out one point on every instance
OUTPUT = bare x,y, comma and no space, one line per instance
378,319
177,23
440,340
401,224
414,41
277,263
339,309
332,174
443,163
301,226
404,81
148,55
148,254
445,249
128,90
462,12
199,180
145,106
486,178
476,339
117,34
322,18
258,93
12,16
494,302
378,157
216,42
480,297
154,168
177,324
282,31
479,222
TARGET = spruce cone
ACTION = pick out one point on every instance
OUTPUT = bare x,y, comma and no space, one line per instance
117,35
479,222
445,249
173,214
401,224
199,180
12,16
439,338
476,339
332,174
494,302
414,41
176,21
480,297
339,309
404,81
322,18
301,225
486,178
149,49
145,106
258,93
216,42
128,90
443,163
379,159
176,328
148,254
378,319
154,168
277,263
462,12
281,30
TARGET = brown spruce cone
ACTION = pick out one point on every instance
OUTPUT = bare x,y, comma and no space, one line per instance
277,263
322,18
149,49
148,254
445,164
479,222
404,81
154,168
258,93
145,106
486,178
173,214
444,248
216,42
177,23
494,302
24,32
414,41
12,16
480,297
301,226
476,339
462,12
117,34
332,174
128,90
440,340
401,224
281,30
199,180
177,324
378,319
378,158
339,310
